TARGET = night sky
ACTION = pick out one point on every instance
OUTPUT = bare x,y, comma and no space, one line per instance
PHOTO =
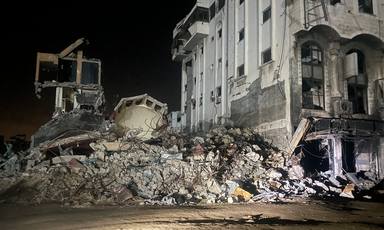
132,40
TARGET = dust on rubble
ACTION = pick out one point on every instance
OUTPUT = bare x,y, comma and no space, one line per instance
224,166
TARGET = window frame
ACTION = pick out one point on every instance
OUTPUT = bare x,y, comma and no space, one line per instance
361,9
212,11
221,4
269,49
268,9
241,35
242,68
312,77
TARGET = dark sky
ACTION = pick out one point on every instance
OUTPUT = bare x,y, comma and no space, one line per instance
132,40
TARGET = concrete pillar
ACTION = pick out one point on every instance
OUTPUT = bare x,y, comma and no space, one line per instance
58,102
334,50
79,66
378,59
336,156
380,158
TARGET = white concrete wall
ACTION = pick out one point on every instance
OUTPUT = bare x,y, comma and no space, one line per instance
279,33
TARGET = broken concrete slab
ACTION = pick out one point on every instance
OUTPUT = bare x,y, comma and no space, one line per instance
66,159
115,146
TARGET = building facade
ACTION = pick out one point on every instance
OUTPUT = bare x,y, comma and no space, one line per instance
268,64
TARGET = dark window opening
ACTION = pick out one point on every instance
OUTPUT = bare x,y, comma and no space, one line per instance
349,159
178,119
128,103
241,2
201,50
202,14
266,56
212,38
221,4
266,14
149,103
333,2
201,100
138,102
240,71
219,33
185,87
312,76
212,11
218,91
157,108
241,35
357,85
365,6
189,63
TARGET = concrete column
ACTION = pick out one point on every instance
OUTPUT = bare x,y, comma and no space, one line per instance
380,158
334,50
336,156
79,66
378,59
58,102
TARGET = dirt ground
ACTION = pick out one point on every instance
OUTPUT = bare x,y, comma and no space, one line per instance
334,213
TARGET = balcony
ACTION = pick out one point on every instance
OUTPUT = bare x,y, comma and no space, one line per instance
178,52
198,30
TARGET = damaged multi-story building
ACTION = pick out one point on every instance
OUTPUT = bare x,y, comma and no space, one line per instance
289,69
79,95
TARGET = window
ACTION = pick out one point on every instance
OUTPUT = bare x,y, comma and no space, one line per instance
267,14
357,85
201,50
201,76
212,38
202,14
266,56
241,2
201,100
212,11
218,95
218,91
241,35
221,4
365,6
240,71
312,76
219,33
333,2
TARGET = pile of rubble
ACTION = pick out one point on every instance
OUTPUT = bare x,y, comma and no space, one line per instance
226,165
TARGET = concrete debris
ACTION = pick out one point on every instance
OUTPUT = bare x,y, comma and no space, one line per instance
347,192
224,166
65,159
122,193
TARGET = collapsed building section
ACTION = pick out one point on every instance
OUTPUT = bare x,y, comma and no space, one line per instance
294,64
79,94
141,116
